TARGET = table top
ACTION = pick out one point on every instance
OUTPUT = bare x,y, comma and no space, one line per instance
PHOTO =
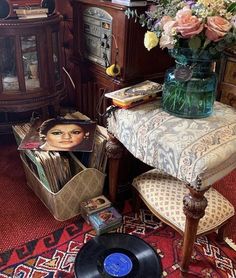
196,151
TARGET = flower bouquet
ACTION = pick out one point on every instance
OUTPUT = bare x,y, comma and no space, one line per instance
195,33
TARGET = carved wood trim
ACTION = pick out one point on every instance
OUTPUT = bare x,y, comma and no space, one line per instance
114,148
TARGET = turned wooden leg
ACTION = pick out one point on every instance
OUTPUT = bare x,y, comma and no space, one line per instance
220,235
194,208
136,200
114,150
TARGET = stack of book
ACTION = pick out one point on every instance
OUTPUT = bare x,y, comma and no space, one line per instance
130,3
29,12
137,94
100,213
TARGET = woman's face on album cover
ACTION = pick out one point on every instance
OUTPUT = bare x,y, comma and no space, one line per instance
65,136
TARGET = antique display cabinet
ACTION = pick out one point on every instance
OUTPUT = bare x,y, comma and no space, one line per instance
103,35
30,69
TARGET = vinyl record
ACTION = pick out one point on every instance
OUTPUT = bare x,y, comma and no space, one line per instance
49,4
117,255
5,9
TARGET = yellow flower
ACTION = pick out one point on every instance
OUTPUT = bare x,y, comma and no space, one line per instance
150,40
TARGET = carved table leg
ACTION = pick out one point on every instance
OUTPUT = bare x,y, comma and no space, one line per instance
194,208
114,150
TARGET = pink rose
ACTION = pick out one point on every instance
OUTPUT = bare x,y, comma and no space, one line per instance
217,27
186,11
169,27
167,37
167,41
152,8
188,25
165,19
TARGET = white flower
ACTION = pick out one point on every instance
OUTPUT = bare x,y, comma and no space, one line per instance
233,21
167,41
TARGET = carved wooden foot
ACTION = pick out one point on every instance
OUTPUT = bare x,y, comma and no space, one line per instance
194,208
114,150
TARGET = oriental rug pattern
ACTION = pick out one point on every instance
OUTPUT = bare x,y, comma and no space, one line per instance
54,255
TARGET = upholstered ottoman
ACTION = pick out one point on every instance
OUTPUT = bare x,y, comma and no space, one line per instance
197,152
164,195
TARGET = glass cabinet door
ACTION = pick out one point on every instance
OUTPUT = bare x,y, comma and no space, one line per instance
30,61
8,70
30,69
55,49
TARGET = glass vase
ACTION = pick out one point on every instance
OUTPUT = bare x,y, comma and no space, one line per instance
190,87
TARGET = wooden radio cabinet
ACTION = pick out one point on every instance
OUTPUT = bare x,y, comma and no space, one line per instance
228,77
30,69
103,35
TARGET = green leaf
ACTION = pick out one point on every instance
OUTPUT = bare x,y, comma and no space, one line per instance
194,43
232,8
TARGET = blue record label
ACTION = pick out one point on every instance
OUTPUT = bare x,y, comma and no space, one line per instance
118,264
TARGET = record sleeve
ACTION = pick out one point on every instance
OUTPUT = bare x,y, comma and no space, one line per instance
60,134
105,220
95,204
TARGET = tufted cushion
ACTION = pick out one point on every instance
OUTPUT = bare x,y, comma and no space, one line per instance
188,149
164,195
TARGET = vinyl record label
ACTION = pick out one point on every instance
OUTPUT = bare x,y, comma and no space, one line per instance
118,264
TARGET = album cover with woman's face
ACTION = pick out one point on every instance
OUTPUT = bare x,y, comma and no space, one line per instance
60,134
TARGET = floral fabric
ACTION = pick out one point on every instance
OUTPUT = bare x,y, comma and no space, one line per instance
187,149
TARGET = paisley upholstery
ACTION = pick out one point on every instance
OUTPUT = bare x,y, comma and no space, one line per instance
164,196
196,151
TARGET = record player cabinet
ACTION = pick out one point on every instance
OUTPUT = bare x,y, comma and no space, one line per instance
102,32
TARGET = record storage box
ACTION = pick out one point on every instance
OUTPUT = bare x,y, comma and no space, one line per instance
65,203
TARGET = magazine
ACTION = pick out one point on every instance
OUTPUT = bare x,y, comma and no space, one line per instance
60,134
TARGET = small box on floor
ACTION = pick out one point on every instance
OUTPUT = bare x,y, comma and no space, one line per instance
94,205
105,220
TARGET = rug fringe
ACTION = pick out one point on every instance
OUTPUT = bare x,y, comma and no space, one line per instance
230,242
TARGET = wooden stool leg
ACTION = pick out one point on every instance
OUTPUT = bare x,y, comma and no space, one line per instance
114,151
194,208
220,234
136,200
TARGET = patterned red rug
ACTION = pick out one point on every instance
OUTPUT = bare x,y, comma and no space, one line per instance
227,187
54,255
34,244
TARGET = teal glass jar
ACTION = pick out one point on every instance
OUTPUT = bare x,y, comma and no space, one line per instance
190,87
